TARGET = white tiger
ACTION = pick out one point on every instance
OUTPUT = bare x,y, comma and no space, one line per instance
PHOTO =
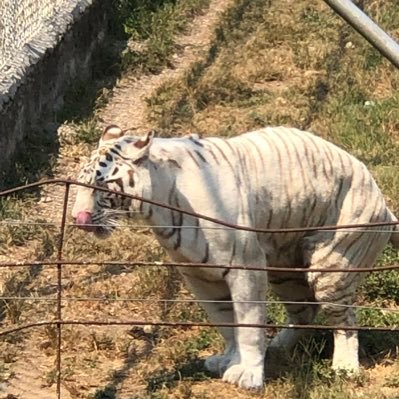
270,178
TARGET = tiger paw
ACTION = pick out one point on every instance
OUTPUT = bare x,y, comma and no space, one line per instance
217,364
245,376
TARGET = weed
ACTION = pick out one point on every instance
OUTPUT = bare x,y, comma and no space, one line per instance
109,392
382,286
88,132
276,312
392,381
102,341
5,373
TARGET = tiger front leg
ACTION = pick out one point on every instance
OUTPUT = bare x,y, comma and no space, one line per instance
248,291
217,303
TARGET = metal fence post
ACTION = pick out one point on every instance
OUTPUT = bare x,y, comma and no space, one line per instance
367,28
59,286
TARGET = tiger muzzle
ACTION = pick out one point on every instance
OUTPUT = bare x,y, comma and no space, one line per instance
84,221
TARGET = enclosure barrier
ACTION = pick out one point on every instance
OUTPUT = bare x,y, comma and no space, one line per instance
60,263
45,47
376,36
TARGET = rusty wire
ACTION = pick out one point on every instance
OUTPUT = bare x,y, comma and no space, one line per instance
202,265
195,214
60,262
161,323
147,227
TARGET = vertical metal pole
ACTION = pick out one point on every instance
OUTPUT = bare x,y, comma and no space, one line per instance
59,287
367,28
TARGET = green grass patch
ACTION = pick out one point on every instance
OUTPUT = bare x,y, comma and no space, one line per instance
151,27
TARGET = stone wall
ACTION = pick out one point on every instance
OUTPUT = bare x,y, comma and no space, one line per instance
34,80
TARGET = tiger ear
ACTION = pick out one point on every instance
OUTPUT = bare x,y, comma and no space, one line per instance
111,132
141,147
145,142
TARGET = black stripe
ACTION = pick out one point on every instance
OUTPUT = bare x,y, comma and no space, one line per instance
177,223
196,229
233,252
118,182
362,186
206,256
284,280
114,151
174,163
225,272
115,171
195,141
227,307
209,151
223,155
139,160
290,163
338,200
235,155
256,173
131,180
201,156
343,238
335,286
329,157
269,220
192,157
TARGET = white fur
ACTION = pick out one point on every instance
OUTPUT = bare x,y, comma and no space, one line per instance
272,178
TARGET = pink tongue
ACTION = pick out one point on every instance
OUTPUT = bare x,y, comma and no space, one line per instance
83,221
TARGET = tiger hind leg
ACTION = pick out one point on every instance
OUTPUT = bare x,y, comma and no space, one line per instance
336,292
346,345
336,307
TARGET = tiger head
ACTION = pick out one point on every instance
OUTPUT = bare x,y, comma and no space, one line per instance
117,164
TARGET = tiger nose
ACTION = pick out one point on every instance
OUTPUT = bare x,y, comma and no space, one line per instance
84,221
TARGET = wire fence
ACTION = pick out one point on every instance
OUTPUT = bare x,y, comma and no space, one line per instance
60,263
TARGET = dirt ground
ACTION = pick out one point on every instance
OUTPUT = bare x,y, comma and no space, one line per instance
111,362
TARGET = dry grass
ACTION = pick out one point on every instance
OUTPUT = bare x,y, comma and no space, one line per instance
285,62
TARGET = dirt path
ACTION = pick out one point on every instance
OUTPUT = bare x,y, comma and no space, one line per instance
126,107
